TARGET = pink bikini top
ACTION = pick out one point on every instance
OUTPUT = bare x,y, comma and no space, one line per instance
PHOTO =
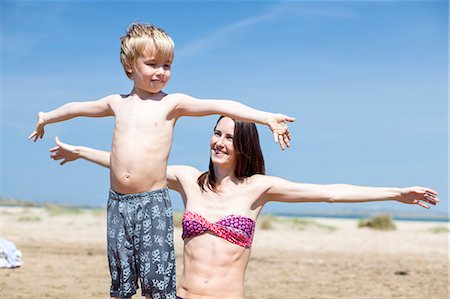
233,228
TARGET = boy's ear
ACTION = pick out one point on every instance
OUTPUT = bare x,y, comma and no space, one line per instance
129,67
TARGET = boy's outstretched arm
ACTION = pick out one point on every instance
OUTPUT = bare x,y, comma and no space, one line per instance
190,106
98,108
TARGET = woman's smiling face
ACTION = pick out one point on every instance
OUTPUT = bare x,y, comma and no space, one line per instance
222,148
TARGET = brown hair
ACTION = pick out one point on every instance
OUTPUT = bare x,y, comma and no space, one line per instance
249,157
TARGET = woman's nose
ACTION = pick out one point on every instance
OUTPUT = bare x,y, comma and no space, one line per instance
219,142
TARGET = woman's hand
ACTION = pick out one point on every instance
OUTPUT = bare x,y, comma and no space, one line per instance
278,124
418,196
64,151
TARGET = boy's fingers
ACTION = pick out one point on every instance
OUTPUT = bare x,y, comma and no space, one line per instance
290,119
32,135
275,137
281,141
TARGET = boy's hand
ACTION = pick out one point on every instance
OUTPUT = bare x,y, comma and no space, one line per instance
278,124
39,131
418,195
63,151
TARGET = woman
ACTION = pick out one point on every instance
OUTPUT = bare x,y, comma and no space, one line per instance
223,204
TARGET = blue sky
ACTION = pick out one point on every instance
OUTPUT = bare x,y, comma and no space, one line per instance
367,82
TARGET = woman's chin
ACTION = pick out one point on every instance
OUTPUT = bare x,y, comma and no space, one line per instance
221,163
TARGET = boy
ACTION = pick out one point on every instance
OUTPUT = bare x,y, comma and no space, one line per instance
139,221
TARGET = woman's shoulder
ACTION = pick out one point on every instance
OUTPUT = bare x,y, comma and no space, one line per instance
258,179
184,169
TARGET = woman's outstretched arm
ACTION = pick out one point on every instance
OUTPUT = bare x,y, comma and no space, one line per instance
68,153
278,189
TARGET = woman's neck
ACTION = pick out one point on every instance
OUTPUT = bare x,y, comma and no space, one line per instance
224,178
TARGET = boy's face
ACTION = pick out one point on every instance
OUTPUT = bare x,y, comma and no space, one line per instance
149,74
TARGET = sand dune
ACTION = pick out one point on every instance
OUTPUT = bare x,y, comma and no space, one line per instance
64,257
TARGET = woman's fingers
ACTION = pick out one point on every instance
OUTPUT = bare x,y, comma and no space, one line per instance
423,205
430,198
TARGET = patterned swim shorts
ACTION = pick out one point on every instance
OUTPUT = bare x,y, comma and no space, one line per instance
140,244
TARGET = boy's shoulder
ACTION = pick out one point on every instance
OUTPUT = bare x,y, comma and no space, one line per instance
160,96
178,96
115,97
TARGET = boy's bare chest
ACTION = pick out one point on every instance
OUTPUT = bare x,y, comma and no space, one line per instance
142,113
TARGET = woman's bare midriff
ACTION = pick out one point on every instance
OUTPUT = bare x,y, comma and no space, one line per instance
213,268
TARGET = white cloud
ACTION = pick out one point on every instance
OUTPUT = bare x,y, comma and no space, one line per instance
281,11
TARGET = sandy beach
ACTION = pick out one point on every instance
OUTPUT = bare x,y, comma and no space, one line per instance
64,257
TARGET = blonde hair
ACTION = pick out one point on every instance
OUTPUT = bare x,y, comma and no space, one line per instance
137,40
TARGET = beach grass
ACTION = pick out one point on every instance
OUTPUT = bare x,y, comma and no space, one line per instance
29,218
439,230
268,222
58,210
98,212
177,218
378,222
